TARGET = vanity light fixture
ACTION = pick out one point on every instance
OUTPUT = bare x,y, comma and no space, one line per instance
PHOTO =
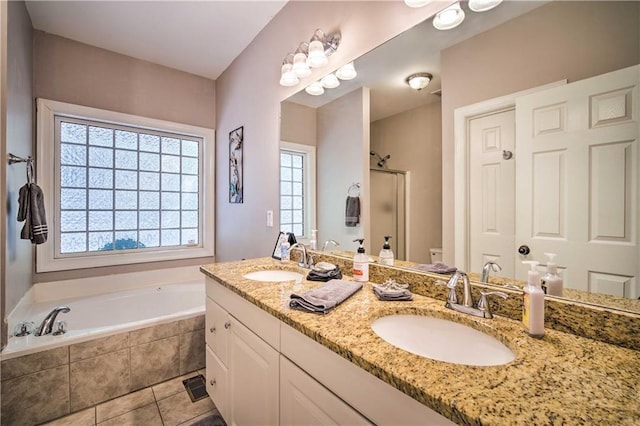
449,18
287,76
347,72
419,81
416,3
483,5
300,66
330,81
315,89
321,47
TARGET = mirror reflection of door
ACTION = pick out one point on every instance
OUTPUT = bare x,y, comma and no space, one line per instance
388,195
583,132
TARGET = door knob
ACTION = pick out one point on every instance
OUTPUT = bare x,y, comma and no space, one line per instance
524,250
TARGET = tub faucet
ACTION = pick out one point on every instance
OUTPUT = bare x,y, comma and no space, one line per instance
326,243
47,324
488,267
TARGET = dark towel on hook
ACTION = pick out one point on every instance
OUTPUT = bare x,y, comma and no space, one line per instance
31,211
352,213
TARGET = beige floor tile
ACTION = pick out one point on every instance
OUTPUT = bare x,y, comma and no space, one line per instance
171,387
124,404
81,418
178,408
197,419
143,416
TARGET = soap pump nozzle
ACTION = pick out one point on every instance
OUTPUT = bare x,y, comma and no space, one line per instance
361,241
386,242
533,275
552,266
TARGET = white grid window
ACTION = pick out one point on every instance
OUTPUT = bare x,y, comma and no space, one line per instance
121,188
292,194
125,188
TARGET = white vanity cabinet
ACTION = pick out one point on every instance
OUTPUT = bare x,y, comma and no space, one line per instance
262,371
242,369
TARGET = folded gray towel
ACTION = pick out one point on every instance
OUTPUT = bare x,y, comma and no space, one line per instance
326,297
31,211
352,212
437,268
391,294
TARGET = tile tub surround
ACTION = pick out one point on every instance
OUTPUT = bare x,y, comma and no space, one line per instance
46,385
559,379
582,319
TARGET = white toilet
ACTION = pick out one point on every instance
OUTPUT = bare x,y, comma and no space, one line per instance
436,254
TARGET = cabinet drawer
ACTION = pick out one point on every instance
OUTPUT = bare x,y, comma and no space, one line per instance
217,337
217,383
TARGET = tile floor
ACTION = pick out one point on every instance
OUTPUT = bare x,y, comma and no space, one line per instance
164,404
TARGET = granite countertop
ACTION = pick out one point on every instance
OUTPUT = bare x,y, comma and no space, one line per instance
559,379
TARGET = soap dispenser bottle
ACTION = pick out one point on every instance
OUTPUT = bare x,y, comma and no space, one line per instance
360,263
533,303
313,243
551,281
386,254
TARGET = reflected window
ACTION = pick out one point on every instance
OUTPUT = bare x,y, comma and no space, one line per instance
297,188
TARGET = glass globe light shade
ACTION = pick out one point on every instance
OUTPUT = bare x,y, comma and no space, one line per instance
300,67
346,72
314,89
483,5
288,77
449,18
330,81
416,3
317,57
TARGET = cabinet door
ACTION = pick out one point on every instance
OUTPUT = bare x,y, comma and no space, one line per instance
303,401
217,323
253,378
217,383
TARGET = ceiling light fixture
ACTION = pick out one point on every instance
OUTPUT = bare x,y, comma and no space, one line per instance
330,81
321,47
287,76
300,66
347,72
449,18
419,81
416,3
483,5
315,89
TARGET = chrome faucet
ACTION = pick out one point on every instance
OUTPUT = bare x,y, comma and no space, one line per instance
47,324
488,267
481,309
326,243
307,259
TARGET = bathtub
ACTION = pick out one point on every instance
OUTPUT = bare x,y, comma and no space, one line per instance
102,315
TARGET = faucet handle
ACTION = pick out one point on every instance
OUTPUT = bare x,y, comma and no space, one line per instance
452,298
483,303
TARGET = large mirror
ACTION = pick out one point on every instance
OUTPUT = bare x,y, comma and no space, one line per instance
398,148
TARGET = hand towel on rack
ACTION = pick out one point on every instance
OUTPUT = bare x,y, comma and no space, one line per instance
31,211
352,211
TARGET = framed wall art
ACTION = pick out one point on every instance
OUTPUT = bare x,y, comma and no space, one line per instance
235,165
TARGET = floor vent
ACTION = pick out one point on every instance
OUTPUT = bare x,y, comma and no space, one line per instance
196,387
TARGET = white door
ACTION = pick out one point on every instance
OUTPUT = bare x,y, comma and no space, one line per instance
491,191
253,377
577,190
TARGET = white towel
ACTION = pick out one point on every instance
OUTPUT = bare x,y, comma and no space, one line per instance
31,211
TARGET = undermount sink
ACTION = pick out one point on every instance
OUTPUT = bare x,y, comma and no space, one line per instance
274,275
442,340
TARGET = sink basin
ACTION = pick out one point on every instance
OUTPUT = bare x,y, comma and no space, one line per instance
442,340
272,275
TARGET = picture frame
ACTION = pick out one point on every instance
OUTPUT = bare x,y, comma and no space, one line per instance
236,182
282,237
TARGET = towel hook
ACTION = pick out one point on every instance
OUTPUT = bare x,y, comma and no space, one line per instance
354,190
12,159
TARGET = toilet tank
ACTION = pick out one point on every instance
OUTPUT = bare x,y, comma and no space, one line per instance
436,254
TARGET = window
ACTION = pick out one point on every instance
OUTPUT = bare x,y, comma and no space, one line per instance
126,189
297,189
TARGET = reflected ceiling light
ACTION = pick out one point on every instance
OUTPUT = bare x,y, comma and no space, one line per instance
449,18
347,72
287,76
483,5
300,66
330,81
315,89
419,81
416,3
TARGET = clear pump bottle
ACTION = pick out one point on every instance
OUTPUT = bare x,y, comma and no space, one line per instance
551,281
386,254
360,263
533,303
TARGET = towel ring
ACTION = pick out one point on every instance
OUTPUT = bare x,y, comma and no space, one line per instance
354,190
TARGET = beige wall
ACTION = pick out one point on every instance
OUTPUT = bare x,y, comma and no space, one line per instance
247,97
414,140
561,40
68,71
19,254
298,124
343,152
